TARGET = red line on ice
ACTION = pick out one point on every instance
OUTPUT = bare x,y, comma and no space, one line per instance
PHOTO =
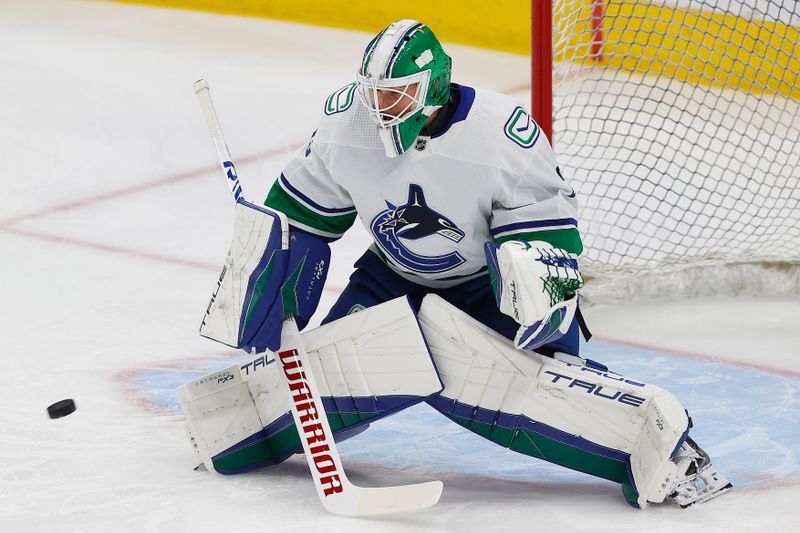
142,187
702,357
60,239
7,225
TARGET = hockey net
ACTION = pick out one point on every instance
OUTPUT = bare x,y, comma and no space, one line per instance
679,126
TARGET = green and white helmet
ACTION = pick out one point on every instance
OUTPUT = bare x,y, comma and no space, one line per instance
404,77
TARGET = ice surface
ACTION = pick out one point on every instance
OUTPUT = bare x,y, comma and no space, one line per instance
113,222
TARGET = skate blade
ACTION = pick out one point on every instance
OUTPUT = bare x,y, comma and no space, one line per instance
704,497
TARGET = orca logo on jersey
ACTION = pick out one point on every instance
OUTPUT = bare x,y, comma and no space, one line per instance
415,220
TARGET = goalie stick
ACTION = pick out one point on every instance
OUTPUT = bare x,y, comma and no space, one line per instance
337,494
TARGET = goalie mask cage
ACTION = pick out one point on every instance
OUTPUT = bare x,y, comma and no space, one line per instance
678,123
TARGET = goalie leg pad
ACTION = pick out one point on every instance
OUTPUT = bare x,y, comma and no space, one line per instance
368,365
220,413
584,418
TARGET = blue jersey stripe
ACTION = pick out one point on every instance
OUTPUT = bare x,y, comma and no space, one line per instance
534,224
312,203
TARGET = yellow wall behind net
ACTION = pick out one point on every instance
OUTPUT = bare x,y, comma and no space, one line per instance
497,24
702,47
699,47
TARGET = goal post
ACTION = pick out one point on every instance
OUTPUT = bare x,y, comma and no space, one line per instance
542,65
678,123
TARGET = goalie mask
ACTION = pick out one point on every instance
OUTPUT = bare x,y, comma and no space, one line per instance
404,77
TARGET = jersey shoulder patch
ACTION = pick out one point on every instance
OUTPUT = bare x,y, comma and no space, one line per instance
341,100
521,128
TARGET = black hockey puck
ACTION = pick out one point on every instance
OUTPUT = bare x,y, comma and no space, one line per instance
62,408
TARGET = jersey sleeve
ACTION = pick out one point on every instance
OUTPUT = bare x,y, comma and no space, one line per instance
309,196
537,204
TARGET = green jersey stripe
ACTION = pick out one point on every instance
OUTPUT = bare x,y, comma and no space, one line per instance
567,239
328,224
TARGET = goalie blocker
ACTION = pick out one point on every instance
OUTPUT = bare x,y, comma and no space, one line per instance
262,281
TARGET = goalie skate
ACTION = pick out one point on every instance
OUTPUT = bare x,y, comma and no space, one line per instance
699,481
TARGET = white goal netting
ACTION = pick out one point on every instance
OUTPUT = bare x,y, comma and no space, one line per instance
679,126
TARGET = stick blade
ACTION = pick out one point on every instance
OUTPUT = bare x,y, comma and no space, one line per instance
361,501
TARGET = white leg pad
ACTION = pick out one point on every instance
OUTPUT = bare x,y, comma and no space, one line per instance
482,369
377,353
665,424
219,411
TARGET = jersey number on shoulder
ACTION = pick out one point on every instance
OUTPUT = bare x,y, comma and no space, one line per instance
341,100
521,128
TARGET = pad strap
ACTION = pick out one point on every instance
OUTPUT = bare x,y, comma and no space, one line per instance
582,323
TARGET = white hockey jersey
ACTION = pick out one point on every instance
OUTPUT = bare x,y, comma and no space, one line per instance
490,174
